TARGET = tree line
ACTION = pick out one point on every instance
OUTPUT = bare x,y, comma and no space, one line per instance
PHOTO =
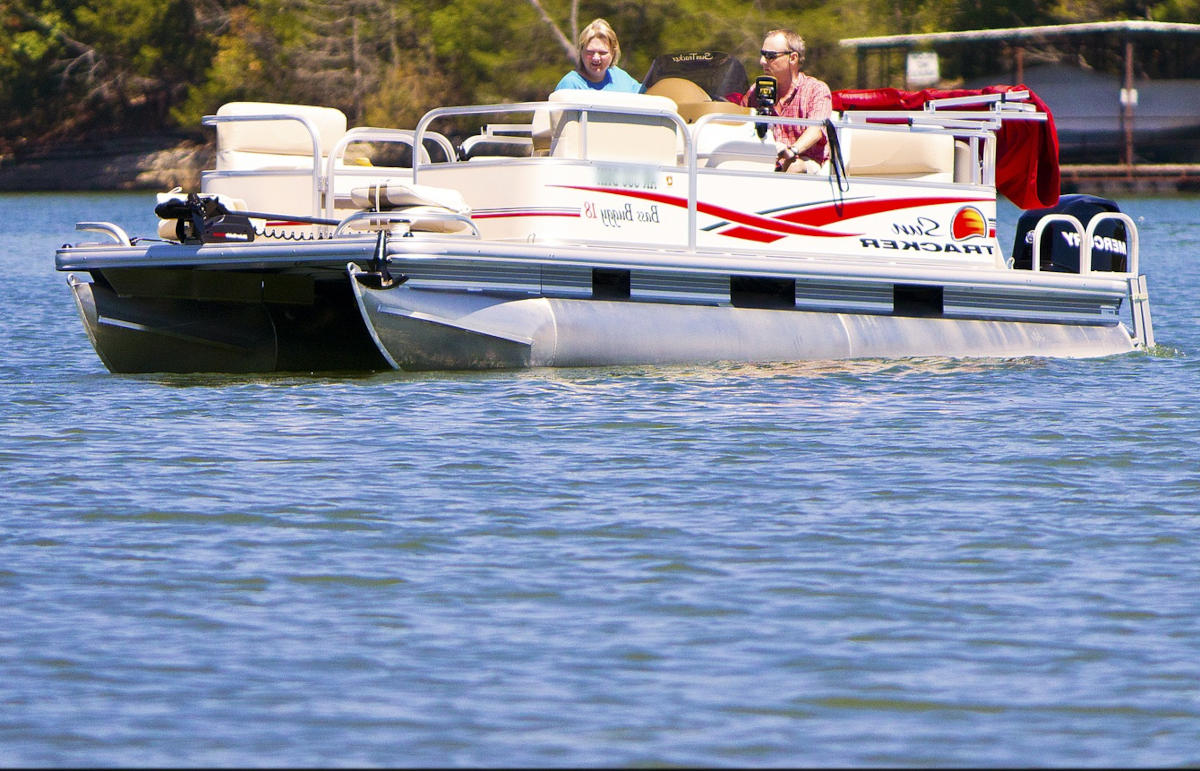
73,69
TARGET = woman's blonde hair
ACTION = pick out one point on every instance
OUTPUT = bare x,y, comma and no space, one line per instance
599,28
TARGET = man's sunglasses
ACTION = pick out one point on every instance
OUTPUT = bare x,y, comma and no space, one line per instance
773,55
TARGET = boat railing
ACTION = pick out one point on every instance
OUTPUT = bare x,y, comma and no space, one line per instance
375,220
507,129
1015,101
976,135
970,130
978,126
115,232
691,155
313,133
1136,293
336,166
966,119
1087,239
323,172
582,107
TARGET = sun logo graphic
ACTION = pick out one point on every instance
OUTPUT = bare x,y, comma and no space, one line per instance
968,222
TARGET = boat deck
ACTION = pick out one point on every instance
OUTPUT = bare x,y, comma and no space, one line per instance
1141,178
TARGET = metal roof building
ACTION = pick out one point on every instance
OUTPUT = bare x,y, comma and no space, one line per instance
1129,46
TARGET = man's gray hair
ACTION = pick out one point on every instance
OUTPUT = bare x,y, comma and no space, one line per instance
792,38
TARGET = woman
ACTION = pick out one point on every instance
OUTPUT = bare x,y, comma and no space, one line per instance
598,55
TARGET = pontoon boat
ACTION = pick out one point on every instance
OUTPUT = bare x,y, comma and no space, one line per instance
613,229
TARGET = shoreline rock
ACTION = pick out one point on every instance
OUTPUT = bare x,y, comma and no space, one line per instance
133,163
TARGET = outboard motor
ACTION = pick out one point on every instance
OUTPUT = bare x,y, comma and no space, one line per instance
1060,242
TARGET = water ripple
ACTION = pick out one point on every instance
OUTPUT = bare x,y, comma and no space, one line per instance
928,562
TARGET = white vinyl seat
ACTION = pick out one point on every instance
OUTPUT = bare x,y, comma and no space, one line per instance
915,155
270,163
737,146
614,136
275,144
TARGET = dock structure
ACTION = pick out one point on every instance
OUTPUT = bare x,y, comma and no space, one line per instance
1111,139
1136,179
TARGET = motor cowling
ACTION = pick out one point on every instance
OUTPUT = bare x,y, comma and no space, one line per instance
1060,242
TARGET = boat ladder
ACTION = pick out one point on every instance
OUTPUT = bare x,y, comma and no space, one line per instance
1136,291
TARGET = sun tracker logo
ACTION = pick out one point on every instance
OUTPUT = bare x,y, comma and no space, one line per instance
968,222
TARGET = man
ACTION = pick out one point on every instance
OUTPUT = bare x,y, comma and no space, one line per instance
801,148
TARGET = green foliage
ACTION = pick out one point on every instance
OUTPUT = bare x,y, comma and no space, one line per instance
510,56
30,47
237,70
71,67
1186,11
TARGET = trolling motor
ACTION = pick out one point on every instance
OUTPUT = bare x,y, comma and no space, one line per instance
765,89
204,219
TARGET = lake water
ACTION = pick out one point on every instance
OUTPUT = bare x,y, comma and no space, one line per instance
874,563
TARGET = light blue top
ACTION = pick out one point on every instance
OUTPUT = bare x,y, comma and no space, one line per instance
615,79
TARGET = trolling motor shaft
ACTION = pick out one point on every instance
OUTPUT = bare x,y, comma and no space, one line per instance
203,219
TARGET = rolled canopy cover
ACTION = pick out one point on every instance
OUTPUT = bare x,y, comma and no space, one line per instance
1026,151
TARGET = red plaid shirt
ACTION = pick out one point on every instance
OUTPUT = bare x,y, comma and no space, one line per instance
809,98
